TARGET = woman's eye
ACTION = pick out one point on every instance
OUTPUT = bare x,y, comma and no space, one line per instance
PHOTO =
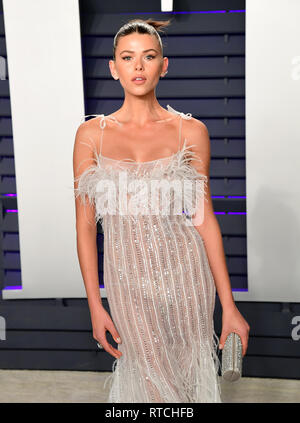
129,57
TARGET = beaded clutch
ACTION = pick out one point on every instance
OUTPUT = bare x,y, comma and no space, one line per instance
232,358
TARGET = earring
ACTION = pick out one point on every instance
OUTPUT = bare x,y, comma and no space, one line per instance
165,74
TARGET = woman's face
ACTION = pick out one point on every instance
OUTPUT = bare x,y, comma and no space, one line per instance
138,55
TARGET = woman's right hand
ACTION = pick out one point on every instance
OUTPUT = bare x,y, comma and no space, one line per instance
102,322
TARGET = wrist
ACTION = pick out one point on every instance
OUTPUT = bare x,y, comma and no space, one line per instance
95,306
229,307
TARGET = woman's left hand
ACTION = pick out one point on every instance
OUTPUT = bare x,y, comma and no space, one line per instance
233,321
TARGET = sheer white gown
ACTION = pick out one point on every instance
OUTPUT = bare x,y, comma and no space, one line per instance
159,285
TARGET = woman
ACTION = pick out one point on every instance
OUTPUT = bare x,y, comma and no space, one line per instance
161,271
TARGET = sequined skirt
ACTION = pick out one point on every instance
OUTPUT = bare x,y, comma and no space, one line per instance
161,296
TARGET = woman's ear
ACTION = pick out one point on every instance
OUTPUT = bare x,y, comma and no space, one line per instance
113,71
165,67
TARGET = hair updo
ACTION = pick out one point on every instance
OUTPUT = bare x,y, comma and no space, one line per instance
140,26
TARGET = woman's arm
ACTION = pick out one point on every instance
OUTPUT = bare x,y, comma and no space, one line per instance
209,229
86,228
86,233
210,232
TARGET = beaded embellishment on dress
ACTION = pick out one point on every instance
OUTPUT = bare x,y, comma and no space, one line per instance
159,285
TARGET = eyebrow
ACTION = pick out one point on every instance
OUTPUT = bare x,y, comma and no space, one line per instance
145,51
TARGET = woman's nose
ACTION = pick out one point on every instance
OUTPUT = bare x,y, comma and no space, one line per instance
139,65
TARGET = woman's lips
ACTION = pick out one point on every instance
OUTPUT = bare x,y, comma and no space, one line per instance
139,81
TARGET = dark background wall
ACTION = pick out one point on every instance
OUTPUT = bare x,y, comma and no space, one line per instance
206,77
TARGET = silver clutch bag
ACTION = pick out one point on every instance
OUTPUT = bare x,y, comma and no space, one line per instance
232,358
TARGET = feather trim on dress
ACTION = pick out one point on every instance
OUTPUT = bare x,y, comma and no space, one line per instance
195,380
191,188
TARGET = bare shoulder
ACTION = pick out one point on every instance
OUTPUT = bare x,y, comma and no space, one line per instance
87,133
85,145
88,127
197,136
196,131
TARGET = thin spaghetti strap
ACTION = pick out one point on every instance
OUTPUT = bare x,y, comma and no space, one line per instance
182,115
180,130
102,126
